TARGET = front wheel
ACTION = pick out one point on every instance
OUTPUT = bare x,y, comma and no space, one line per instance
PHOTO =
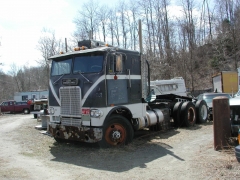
26,111
117,131
59,140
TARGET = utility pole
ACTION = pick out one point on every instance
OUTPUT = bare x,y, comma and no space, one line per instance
0,46
66,44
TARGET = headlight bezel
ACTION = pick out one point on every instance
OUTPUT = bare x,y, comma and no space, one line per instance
51,110
96,113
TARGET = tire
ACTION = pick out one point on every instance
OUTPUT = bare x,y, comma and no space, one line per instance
35,116
26,111
188,114
176,114
210,117
201,111
59,140
117,131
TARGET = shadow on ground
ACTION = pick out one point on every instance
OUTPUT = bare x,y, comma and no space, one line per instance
137,154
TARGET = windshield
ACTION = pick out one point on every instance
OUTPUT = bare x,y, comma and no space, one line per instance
61,67
88,64
209,98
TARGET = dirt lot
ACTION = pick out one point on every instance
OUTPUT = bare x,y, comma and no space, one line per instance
26,153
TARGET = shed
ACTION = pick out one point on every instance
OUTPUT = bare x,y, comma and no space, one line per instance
24,96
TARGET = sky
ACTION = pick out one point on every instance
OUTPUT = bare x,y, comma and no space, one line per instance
21,24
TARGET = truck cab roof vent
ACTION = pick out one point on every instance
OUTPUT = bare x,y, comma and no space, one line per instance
91,44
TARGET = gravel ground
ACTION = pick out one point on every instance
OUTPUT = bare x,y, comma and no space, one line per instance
26,153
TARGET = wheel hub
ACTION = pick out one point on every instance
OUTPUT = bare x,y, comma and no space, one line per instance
116,135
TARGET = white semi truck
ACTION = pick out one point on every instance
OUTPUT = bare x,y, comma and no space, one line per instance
100,94
170,86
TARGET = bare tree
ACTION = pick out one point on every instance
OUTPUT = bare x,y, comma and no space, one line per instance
190,31
206,29
7,86
88,19
123,20
48,45
132,16
166,33
110,25
103,15
116,27
14,72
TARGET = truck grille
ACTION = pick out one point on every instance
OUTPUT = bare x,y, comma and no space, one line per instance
70,98
70,121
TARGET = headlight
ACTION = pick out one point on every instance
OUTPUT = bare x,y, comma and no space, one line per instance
51,110
96,113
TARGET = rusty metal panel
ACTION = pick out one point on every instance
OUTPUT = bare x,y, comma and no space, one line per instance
83,134
221,122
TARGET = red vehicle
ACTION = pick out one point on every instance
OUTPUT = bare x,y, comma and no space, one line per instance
16,107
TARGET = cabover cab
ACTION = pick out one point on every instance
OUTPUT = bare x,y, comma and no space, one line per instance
90,85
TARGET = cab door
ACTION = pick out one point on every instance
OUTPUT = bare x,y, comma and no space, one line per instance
11,106
117,80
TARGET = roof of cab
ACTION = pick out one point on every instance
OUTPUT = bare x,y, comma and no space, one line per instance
105,48
80,52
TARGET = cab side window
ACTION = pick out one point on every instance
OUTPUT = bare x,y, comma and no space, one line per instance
116,64
5,103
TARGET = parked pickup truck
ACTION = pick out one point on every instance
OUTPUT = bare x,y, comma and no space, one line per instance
16,107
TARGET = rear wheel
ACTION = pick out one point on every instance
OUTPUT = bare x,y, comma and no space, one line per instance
201,111
117,131
176,114
188,114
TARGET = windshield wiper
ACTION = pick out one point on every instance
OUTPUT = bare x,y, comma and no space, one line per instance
58,79
84,77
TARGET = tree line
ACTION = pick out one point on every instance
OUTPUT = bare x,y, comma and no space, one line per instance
199,40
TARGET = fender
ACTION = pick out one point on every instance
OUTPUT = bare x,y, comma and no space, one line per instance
127,114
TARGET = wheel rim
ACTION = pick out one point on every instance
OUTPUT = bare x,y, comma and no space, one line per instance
203,112
191,115
115,134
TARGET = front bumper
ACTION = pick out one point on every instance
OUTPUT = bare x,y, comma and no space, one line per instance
83,134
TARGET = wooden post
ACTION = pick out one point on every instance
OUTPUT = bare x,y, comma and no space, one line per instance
221,122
